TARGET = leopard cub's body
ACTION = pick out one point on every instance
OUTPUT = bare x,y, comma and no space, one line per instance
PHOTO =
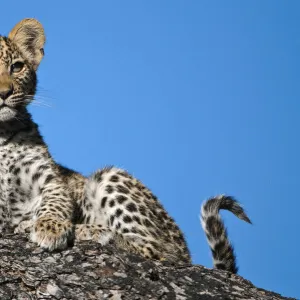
56,204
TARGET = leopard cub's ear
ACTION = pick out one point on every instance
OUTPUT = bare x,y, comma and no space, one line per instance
29,37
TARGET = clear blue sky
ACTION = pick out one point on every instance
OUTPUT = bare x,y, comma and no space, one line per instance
195,98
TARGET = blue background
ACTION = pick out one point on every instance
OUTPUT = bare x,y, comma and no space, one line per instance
195,98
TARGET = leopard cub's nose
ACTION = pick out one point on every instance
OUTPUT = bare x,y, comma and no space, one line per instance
6,91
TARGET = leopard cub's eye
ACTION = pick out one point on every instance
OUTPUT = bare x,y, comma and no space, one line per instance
17,67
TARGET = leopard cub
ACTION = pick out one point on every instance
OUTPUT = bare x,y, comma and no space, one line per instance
56,204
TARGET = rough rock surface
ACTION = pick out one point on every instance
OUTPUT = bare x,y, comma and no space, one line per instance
86,271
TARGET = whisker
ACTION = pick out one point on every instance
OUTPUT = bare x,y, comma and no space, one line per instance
18,119
35,100
44,92
40,104
26,100
40,88
43,96
39,96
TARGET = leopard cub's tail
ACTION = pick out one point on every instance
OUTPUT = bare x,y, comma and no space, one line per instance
223,253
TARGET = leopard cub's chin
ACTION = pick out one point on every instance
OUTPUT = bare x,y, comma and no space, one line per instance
7,113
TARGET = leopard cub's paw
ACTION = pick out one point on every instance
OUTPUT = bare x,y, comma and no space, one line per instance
24,227
98,233
51,233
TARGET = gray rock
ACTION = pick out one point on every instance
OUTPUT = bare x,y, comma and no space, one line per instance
88,271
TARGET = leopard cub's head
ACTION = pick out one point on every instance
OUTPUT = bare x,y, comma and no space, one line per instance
20,55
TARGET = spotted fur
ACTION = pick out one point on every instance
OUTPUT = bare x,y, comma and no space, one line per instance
56,204
222,250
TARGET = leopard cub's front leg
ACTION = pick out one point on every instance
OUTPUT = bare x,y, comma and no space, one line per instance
52,233
53,228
